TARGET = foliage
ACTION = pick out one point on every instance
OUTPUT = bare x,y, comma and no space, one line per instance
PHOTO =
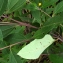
21,21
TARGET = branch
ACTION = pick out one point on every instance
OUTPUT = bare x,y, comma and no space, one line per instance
24,24
15,44
21,23
6,23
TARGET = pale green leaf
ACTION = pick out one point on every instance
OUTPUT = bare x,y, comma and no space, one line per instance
34,49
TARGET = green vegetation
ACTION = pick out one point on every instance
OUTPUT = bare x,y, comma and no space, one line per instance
22,21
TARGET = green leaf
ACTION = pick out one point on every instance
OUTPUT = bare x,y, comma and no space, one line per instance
58,8
4,51
14,5
1,35
18,35
3,5
54,21
13,58
37,15
11,3
44,30
6,29
2,60
55,58
48,26
47,3
34,49
31,6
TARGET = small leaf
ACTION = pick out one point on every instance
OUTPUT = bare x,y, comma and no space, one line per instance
36,14
34,49
13,58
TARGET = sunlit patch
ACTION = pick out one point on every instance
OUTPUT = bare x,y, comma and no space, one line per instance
36,47
40,4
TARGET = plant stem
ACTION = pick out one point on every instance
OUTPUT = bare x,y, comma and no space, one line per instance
15,44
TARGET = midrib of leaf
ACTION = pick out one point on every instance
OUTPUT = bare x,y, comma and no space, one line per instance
59,8
46,26
52,24
14,57
16,4
13,5
43,31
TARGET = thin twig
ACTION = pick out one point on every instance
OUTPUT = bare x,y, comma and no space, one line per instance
21,23
24,24
57,36
7,23
44,12
15,44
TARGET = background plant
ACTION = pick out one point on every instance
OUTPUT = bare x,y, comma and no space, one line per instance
21,21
